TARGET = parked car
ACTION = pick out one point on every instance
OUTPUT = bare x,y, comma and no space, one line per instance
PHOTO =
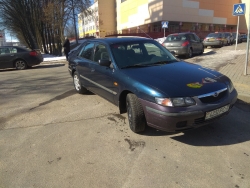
142,78
19,57
215,39
229,37
239,38
243,37
184,44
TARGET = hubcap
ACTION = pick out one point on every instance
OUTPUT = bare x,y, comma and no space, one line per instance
20,65
76,83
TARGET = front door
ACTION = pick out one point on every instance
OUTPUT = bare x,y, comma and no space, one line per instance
102,76
5,58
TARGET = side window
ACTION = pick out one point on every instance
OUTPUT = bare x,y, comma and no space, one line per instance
87,51
101,52
13,50
4,51
191,37
196,38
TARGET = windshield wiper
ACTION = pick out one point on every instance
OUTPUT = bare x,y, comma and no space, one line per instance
132,66
163,62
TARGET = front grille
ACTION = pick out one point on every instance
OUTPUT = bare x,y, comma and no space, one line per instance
211,98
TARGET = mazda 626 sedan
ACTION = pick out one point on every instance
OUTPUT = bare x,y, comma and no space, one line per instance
144,79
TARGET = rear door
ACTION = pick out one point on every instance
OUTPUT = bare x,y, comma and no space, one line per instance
82,63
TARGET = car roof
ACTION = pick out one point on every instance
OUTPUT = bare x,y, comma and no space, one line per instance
111,40
182,33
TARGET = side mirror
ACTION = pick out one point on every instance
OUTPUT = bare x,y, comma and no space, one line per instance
104,62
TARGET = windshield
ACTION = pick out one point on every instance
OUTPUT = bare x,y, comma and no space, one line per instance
140,54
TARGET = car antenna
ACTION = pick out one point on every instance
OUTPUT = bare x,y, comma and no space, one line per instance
143,32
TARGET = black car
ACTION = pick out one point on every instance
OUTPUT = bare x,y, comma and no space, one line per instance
142,78
19,57
243,37
239,38
184,44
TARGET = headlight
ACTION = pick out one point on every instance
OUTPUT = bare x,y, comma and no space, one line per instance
230,87
180,101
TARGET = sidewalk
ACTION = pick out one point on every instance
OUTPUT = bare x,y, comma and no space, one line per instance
235,71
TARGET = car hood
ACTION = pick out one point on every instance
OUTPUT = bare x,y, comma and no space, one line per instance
178,79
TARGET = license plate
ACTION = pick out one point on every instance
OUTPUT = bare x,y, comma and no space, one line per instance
211,40
216,112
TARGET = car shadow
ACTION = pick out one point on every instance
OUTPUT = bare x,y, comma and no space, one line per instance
7,70
41,66
195,56
232,129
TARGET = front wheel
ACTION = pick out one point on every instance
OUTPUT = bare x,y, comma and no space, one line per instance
202,50
78,86
136,117
20,65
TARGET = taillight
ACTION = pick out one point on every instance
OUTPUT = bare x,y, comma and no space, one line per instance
186,43
33,53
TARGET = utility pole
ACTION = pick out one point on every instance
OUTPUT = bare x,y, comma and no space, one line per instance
248,34
74,19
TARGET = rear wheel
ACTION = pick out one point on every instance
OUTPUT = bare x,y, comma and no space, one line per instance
20,64
78,86
190,53
136,117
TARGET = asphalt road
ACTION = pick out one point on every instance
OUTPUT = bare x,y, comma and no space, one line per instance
52,137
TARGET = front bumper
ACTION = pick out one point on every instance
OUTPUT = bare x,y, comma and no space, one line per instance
173,119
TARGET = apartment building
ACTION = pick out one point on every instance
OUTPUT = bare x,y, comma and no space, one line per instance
181,15
100,20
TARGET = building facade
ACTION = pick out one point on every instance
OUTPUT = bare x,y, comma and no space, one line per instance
182,15
100,21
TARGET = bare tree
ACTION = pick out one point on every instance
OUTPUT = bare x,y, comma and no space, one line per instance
40,23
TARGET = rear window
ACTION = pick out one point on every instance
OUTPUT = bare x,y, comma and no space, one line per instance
176,38
215,35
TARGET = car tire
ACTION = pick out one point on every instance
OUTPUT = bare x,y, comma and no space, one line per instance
202,50
20,64
136,117
190,53
77,84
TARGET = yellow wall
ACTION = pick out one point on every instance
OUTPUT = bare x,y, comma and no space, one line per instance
107,18
244,20
132,13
